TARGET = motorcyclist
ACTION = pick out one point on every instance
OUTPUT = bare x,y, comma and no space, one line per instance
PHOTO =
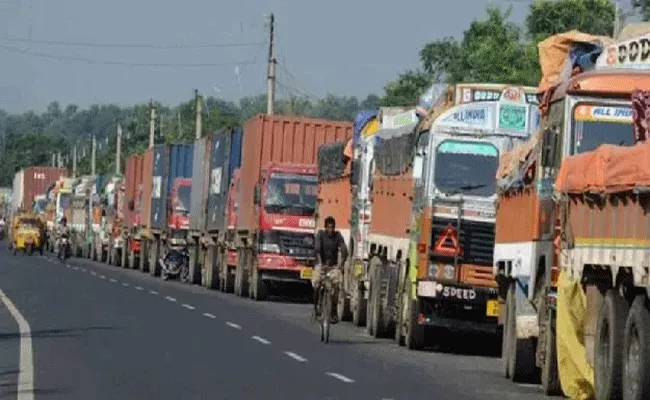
328,244
62,229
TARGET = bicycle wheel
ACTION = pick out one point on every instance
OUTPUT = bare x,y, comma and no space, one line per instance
327,315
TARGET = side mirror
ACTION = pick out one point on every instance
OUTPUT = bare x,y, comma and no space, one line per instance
256,195
131,205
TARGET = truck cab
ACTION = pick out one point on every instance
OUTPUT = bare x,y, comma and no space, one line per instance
285,204
179,205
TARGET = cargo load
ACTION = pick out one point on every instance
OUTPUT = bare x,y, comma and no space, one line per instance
170,162
34,181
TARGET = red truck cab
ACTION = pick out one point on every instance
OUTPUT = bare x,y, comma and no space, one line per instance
179,204
285,205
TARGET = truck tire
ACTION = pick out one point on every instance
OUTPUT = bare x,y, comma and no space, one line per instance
550,375
132,259
636,360
143,264
608,351
373,303
258,286
359,308
522,366
414,335
343,307
241,283
505,342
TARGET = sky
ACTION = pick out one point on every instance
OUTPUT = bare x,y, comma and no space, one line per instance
335,46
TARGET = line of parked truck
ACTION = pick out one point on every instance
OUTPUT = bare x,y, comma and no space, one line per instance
451,213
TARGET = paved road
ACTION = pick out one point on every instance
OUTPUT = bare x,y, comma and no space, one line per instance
100,332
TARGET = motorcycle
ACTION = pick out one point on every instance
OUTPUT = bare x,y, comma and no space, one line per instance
175,264
64,247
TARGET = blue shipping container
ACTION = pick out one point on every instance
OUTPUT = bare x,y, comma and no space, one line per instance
170,161
225,159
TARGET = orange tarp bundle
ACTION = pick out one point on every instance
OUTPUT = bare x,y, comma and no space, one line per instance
554,52
608,169
514,159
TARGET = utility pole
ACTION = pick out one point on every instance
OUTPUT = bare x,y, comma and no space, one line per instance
59,161
199,115
270,78
617,19
152,124
93,154
180,130
74,161
54,159
118,149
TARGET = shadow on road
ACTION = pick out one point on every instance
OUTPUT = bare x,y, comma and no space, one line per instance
59,332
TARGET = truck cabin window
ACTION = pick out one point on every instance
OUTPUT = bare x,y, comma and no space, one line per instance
291,194
593,126
182,205
463,167
40,205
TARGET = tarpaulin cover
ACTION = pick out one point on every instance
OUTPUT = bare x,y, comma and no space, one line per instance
361,120
576,375
513,164
332,160
559,53
608,169
395,149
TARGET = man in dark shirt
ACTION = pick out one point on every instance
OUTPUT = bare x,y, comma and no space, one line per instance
327,247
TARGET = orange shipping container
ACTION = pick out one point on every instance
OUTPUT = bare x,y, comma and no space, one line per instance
281,139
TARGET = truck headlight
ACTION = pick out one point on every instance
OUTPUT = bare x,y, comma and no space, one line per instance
269,248
433,269
449,271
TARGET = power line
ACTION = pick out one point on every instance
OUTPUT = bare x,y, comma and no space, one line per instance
111,62
128,45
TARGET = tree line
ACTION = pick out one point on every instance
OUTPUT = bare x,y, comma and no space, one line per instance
492,49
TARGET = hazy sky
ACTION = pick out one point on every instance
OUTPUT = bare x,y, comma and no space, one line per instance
343,47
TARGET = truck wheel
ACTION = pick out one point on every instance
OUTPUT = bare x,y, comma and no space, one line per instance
132,259
370,313
414,335
359,308
608,352
229,279
505,343
343,307
258,287
522,366
550,376
636,360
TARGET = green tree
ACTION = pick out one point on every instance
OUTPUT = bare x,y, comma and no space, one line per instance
546,17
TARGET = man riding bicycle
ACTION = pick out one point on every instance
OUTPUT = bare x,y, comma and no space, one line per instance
327,247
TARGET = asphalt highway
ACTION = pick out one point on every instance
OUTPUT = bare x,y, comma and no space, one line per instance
84,330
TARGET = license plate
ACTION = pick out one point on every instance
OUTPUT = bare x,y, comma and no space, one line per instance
306,273
492,308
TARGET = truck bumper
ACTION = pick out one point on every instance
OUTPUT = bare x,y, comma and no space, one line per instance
282,269
458,307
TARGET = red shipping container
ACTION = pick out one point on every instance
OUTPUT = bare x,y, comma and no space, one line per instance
132,181
36,180
147,182
281,139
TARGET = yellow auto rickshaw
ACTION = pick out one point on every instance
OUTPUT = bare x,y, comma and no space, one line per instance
27,234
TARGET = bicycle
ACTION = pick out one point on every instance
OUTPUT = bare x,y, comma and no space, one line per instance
325,306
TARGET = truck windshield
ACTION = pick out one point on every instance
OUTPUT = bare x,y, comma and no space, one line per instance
291,194
64,203
183,201
39,206
466,167
593,126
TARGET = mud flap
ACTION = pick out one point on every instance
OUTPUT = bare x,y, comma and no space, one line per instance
576,375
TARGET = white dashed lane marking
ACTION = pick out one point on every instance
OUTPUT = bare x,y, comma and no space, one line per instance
233,325
75,268
125,284
295,356
173,300
93,273
153,292
340,377
102,276
260,339
208,315
113,280
189,307
138,288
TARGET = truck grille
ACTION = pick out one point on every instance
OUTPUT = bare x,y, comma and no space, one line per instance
296,244
476,238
